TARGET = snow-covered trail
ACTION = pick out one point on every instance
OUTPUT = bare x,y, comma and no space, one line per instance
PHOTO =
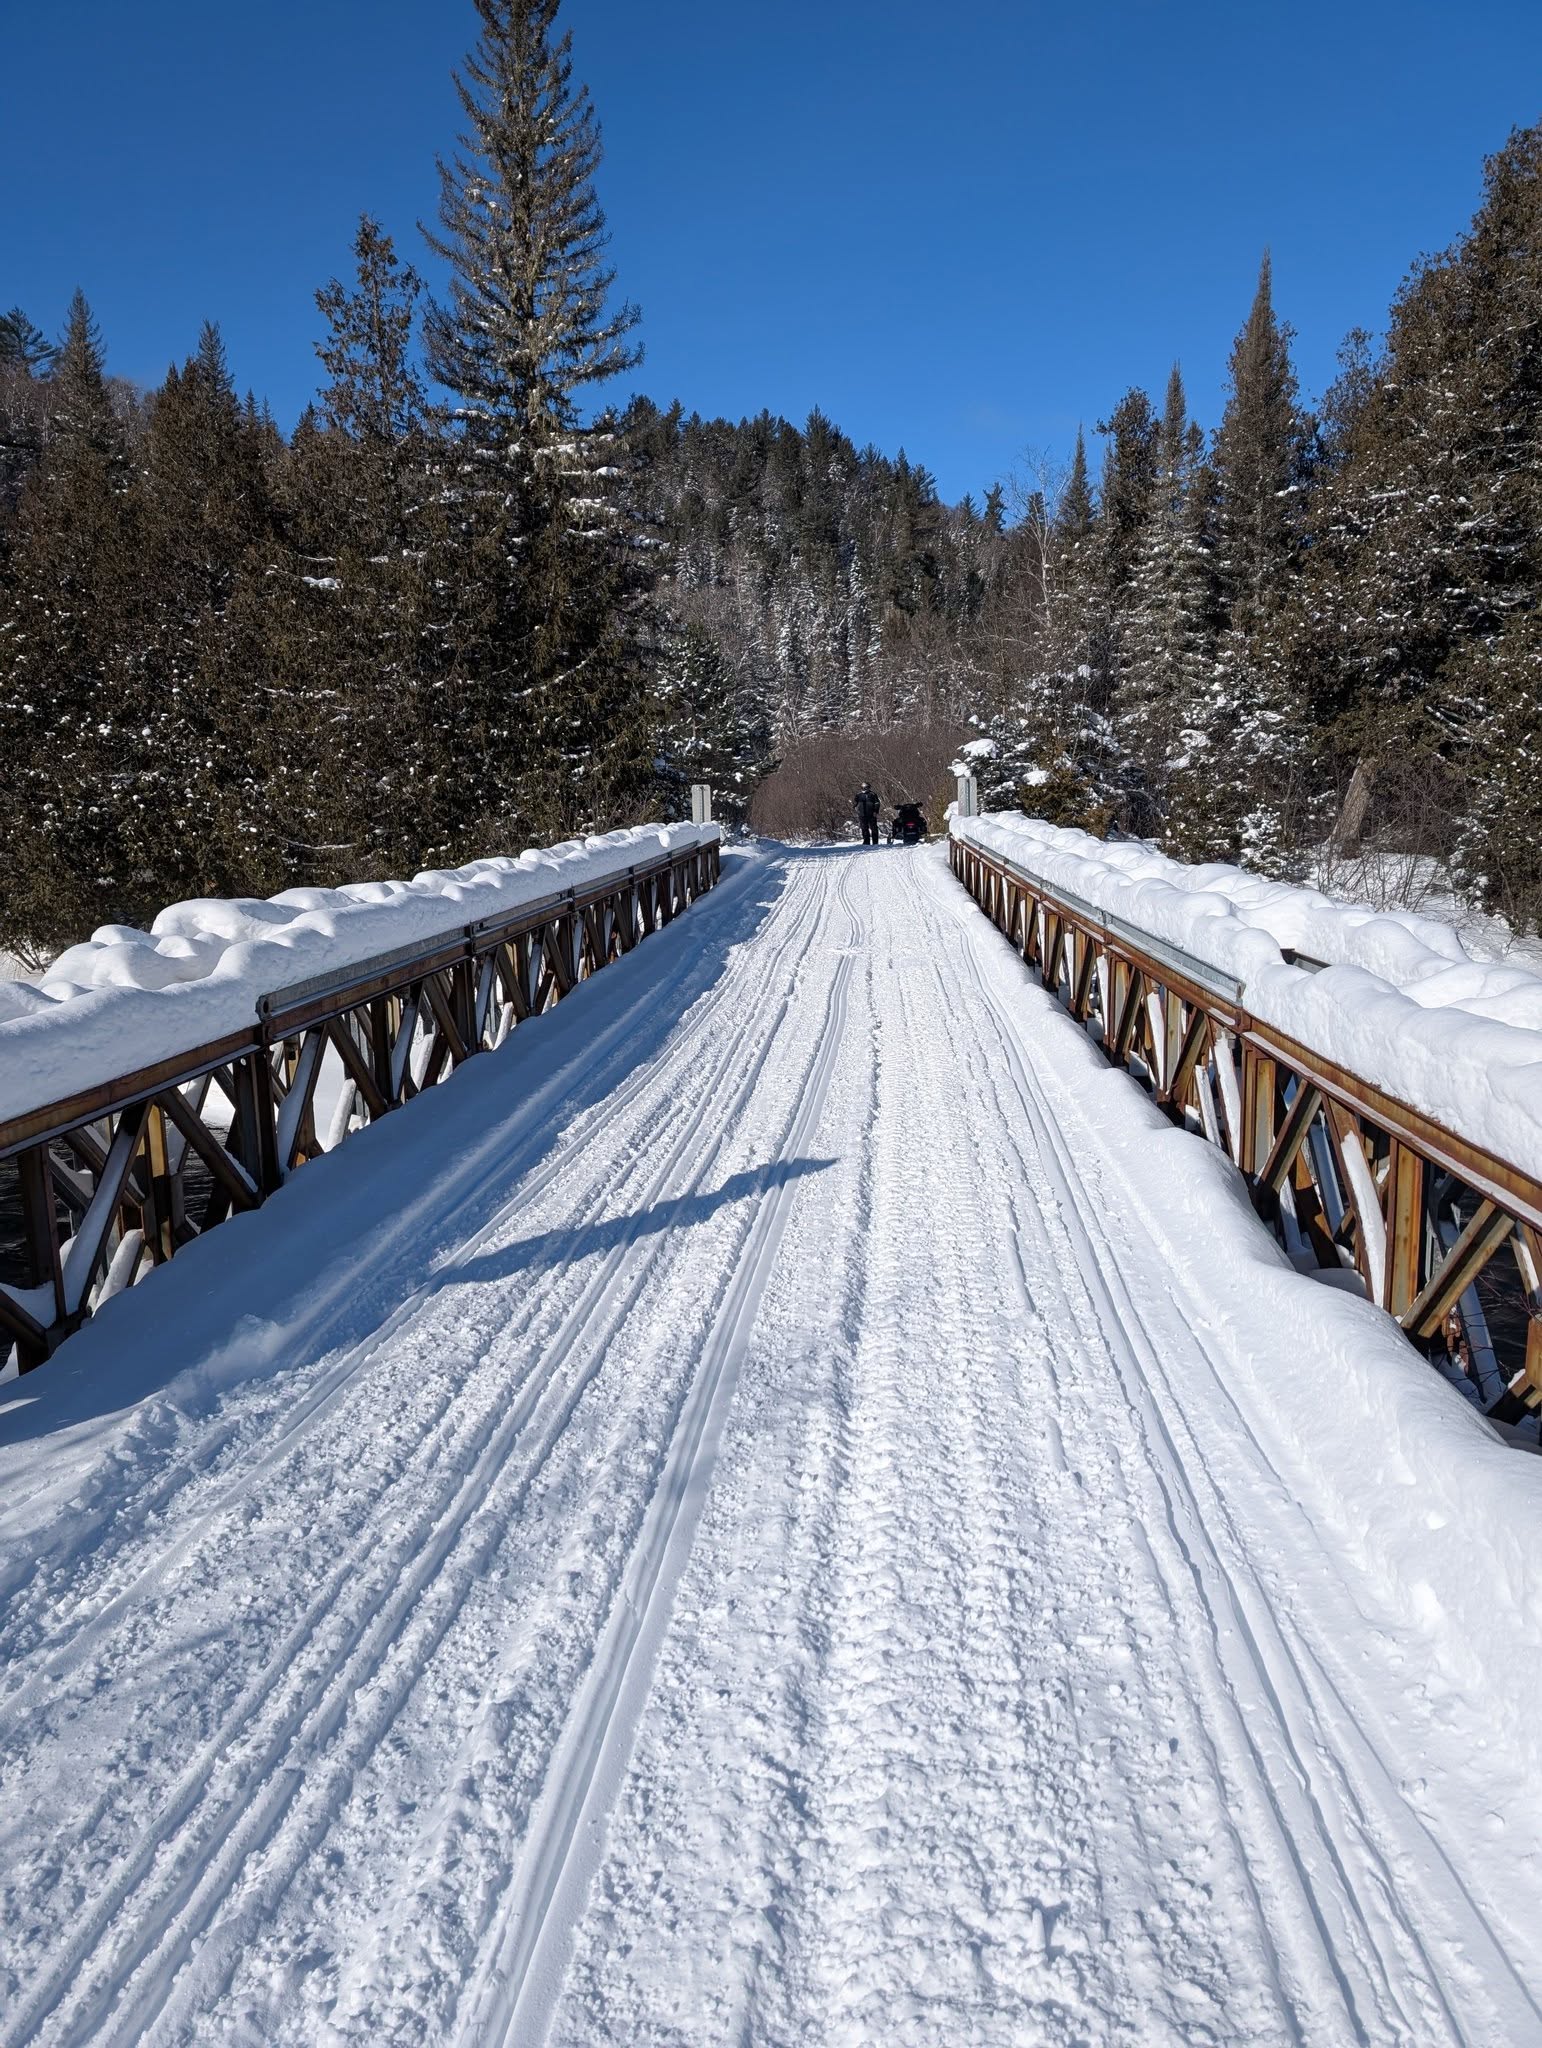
767,1549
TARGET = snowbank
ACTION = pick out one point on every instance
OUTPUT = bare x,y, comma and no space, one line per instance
126,998
1399,1001
1369,1440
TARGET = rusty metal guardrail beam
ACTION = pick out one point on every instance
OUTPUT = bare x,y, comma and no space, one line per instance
1445,1235
113,1181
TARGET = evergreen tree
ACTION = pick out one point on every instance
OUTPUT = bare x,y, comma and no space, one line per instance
337,617
710,728
556,692
67,635
1124,509
1259,455
22,345
199,709
1168,632
1133,434
1072,576
1411,632
1248,758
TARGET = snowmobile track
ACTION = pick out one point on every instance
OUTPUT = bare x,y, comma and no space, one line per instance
512,1995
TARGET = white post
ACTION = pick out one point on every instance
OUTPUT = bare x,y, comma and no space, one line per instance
701,803
968,797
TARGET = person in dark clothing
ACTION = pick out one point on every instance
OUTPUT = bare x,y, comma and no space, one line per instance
867,813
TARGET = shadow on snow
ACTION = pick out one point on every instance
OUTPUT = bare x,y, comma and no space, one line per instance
359,1234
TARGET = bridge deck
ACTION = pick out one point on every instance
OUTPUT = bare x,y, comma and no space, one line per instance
721,1525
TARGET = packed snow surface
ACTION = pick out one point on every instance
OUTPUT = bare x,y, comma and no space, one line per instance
1399,1001
786,1506
126,999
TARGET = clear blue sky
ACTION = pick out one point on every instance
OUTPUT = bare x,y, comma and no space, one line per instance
960,230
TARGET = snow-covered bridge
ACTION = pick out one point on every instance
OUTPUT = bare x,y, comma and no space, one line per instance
790,1504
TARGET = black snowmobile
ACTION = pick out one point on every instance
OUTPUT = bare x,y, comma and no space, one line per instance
907,825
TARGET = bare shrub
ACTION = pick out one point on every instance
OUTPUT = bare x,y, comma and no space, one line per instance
810,794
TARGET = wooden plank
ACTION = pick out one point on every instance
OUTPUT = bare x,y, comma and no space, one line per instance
511,982
1528,1257
403,1087
1311,1210
555,945
1054,959
360,1071
1085,957
438,1061
160,1221
1405,1227
1532,1370
226,1169
1485,1232
115,1191
1290,1138
1260,1089
482,1009
1173,1038
1191,1055
627,918
295,1136
1362,1207
593,925
444,1016
39,1225
1133,995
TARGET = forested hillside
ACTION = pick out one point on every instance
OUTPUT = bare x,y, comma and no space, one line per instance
466,603
1315,627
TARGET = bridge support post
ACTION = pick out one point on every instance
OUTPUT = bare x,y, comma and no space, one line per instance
40,1249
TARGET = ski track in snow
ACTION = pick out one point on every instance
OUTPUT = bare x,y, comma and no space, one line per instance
796,1571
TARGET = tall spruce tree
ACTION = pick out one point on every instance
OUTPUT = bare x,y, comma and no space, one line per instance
1249,755
553,692
1174,617
1054,750
1167,640
337,618
1133,434
1125,500
66,824
201,824
1072,584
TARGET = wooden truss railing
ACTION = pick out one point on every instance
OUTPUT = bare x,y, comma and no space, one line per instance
113,1182
1445,1236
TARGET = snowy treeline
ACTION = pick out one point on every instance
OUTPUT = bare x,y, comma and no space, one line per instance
1312,630
418,629
836,585
460,608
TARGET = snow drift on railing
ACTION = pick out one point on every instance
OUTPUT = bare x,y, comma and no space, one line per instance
126,999
1399,1001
